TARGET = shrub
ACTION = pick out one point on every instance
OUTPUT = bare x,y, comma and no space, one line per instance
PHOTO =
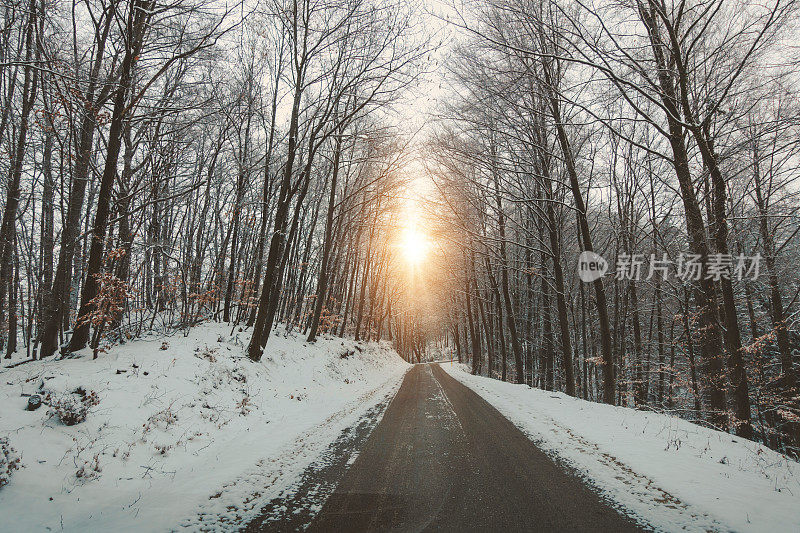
89,469
9,461
72,408
162,419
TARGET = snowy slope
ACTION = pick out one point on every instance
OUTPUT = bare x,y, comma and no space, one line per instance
178,419
672,473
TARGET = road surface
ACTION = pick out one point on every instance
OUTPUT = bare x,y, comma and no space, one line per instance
442,458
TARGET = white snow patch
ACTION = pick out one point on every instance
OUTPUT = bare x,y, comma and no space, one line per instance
175,425
671,473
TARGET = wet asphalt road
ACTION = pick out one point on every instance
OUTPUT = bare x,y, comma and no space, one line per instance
443,459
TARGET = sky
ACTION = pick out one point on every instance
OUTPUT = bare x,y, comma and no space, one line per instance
414,114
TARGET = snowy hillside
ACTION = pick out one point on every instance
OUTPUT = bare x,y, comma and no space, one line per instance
674,474
172,421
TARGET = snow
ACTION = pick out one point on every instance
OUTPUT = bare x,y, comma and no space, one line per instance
667,472
184,426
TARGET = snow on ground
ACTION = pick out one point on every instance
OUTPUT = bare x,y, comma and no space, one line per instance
175,423
673,474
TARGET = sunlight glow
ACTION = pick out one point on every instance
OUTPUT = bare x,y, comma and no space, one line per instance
414,245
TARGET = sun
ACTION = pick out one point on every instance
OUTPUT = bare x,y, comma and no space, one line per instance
414,246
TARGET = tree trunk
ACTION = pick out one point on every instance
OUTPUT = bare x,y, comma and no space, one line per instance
322,282
138,17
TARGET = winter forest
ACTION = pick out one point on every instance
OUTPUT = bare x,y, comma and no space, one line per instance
431,174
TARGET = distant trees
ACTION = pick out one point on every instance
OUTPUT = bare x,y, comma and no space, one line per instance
345,58
168,164
630,130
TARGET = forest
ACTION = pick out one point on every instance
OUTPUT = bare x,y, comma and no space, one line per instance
167,164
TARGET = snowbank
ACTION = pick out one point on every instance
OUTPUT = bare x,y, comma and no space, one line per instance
673,474
172,421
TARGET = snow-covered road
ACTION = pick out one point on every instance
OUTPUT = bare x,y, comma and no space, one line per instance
443,459
677,475
186,433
